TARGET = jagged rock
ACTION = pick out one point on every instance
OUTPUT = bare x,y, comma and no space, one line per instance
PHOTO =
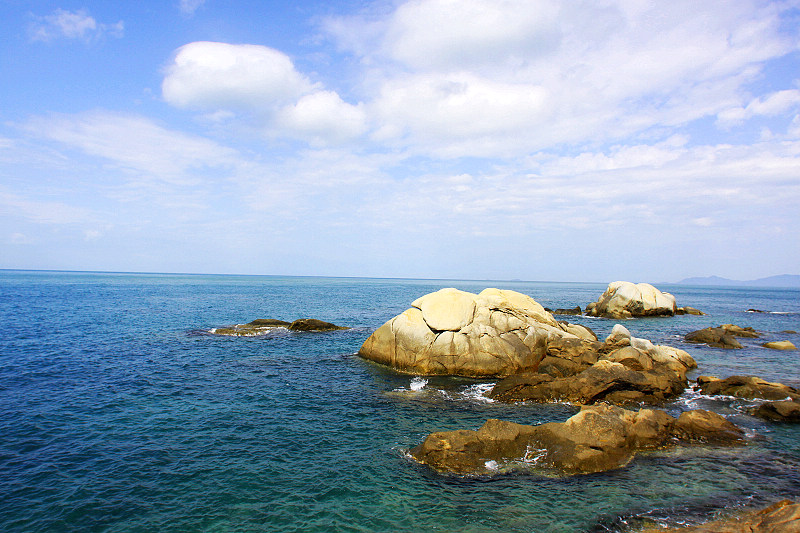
623,369
748,387
739,331
716,337
623,299
780,411
688,311
312,324
780,517
262,326
494,333
573,311
779,345
706,427
596,439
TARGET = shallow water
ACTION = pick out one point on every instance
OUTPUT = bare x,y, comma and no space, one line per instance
118,413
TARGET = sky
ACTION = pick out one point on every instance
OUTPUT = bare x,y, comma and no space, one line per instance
472,139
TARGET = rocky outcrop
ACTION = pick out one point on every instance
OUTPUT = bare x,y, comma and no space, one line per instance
623,299
262,326
494,333
748,387
688,311
721,336
779,345
621,370
716,337
780,517
572,311
596,439
780,411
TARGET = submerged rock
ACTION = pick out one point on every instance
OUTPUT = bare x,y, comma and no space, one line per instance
780,517
780,411
596,439
779,345
623,299
621,370
262,326
494,333
688,311
748,387
716,337
573,311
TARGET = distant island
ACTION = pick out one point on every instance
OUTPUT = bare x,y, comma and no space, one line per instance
784,280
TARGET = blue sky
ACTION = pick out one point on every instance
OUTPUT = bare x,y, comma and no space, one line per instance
480,139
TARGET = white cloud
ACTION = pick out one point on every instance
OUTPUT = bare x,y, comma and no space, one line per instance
135,143
72,25
263,85
323,117
188,7
211,76
769,105
487,77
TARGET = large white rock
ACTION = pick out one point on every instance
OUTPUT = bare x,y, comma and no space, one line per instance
623,299
494,333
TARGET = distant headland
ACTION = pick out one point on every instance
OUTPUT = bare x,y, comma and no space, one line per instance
784,280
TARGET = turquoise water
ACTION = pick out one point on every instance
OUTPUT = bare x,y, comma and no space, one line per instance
118,413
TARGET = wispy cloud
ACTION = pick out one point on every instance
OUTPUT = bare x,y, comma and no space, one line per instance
188,7
79,25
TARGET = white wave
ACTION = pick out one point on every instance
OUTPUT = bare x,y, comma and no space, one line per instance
418,383
492,465
477,392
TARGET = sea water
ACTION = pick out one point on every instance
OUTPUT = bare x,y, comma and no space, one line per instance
119,412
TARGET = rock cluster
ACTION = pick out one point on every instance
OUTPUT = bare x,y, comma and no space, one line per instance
721,336
623,299
780,517
596,439
494,333
621,370
748,387
261,326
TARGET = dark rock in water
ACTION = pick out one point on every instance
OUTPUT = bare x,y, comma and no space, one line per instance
605,381
268,322
312,324
574,311
789,331
596,439
781,517
688,311
716,337
621,370
748,387
739,331
755,311
779,345
262,326
781,411
706,427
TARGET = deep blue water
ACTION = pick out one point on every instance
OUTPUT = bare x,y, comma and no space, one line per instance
118,414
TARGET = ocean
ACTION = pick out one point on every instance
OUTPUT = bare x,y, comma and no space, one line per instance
120,413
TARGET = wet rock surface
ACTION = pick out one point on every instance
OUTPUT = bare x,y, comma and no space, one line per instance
621,370
596,439
748,387
780,517
262,326
779,411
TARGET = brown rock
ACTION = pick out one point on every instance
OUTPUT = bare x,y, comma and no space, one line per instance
688,311
779,345
739,331
312,324
716,337
596,439
706,427
780,517
780,411
748,387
